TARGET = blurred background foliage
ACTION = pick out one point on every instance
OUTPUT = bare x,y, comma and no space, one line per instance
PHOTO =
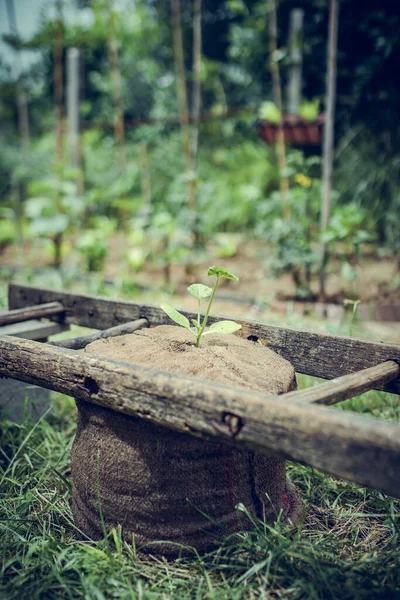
144,190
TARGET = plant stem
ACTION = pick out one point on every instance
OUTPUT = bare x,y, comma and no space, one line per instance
207,313
198,313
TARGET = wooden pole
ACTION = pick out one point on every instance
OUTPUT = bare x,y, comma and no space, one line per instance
23,123
47,309
22,105
296,60
196,78
277,94
59,110
328,143
182,96
78,343
116,86
73,58
145,173
73,104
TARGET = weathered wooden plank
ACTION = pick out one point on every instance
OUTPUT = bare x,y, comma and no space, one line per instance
33,330
81,342
345,387
319,354
49,309
347,445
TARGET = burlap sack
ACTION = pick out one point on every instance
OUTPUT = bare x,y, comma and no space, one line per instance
162,485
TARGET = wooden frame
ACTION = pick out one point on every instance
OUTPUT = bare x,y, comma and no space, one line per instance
362,449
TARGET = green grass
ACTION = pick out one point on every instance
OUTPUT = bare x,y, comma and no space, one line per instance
347,547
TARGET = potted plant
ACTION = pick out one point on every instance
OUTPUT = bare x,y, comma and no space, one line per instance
165,488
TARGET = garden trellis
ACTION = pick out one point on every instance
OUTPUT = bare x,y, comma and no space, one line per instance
298,425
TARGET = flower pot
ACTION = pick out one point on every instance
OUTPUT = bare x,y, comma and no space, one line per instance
168,488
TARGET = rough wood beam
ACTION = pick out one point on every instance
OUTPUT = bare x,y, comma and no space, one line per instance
357,448
49,309
343,388
313,353
81,342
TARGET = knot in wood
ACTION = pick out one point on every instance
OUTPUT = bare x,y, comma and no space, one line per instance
229,425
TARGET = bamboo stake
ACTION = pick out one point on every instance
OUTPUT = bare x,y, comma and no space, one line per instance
328,137
277,93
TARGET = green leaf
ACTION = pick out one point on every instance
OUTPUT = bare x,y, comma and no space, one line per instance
223,327
270,112
50,225
199,290
219,272
176,316
197,327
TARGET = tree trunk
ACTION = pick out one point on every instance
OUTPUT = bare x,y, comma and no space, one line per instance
277,94
328,144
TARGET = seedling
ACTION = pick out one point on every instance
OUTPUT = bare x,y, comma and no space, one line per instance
200,291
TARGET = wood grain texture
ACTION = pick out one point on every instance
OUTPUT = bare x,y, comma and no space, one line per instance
82,341
49,309
357,448
319,354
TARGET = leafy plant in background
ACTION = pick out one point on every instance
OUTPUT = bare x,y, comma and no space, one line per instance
371,164
111,189
309,109
53,209
174,242
349,227
92,245
200,291
8,233
293,241
270,112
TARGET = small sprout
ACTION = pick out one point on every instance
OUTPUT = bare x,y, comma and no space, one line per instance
220,272
200,292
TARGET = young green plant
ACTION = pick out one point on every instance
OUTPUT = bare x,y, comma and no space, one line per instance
200,291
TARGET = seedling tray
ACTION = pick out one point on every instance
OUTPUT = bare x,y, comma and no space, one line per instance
298,425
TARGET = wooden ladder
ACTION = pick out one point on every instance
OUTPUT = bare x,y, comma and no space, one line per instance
298,425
